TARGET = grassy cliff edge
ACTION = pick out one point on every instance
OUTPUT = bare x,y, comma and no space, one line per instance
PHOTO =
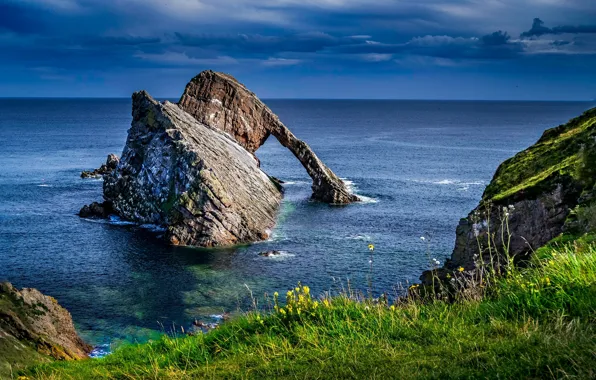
537,321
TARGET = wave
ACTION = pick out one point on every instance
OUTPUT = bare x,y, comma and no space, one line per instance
352,188
45,185
363,237
100,351
153,227
283,255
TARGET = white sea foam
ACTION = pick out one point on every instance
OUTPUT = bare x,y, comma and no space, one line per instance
352,188
115,220
45,185
153,227
100,351
283,255
363,237
290,183
445,182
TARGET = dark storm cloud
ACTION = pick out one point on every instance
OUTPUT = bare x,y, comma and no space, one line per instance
496,38
356,37
538,29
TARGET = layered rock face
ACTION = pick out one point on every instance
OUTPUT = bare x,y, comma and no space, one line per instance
532,198
197,181
221,102
35,327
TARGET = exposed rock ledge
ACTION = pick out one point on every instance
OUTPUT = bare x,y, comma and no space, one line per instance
532,198
220,101
33,327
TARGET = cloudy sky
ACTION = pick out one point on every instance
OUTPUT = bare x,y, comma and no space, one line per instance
403,49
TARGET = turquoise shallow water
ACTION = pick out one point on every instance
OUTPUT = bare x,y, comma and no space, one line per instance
420,165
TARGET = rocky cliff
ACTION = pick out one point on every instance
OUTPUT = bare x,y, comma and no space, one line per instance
220,101
197,181
533,197
33,327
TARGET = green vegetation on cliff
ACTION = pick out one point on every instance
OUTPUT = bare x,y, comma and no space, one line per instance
554,158
537,322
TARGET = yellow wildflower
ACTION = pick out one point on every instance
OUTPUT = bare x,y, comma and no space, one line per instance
461,269
371,247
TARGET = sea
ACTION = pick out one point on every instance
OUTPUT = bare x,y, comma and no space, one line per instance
419,167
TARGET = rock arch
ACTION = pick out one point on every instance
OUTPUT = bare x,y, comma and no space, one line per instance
219,101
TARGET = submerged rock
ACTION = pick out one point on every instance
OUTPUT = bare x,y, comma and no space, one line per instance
34,327
107,168
221,102
532,198
196,181
270,253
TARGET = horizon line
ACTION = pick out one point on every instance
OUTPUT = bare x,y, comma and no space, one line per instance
287,98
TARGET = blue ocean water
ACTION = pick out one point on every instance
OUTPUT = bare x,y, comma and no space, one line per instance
419,165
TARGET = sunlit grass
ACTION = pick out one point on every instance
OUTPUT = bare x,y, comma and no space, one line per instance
534,322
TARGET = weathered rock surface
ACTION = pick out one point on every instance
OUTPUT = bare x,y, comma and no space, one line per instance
195,180
107,168
220,101
34,327
97,210
532,198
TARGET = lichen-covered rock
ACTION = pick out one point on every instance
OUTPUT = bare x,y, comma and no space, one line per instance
196,181
34,327
104,169
532,198
221,102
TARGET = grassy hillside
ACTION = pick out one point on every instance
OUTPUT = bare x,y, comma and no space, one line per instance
555,157
536,322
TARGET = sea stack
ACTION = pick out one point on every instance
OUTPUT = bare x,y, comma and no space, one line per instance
190,167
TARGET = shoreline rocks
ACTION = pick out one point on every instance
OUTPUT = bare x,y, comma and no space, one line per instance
97,210
107,168
34,328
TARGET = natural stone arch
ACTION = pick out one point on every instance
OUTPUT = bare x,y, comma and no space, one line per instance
219,101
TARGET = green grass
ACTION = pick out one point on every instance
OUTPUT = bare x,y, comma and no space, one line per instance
544,163
537,322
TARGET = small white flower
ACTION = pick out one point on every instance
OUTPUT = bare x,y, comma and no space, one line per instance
422,238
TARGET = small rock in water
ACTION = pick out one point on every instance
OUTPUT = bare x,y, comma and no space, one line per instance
270,253
107,168
97,210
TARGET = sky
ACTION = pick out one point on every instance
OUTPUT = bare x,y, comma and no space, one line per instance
360,49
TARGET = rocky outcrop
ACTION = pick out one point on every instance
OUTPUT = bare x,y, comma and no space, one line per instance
221,102
34,327
195,180
97,210
532,198
107,168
